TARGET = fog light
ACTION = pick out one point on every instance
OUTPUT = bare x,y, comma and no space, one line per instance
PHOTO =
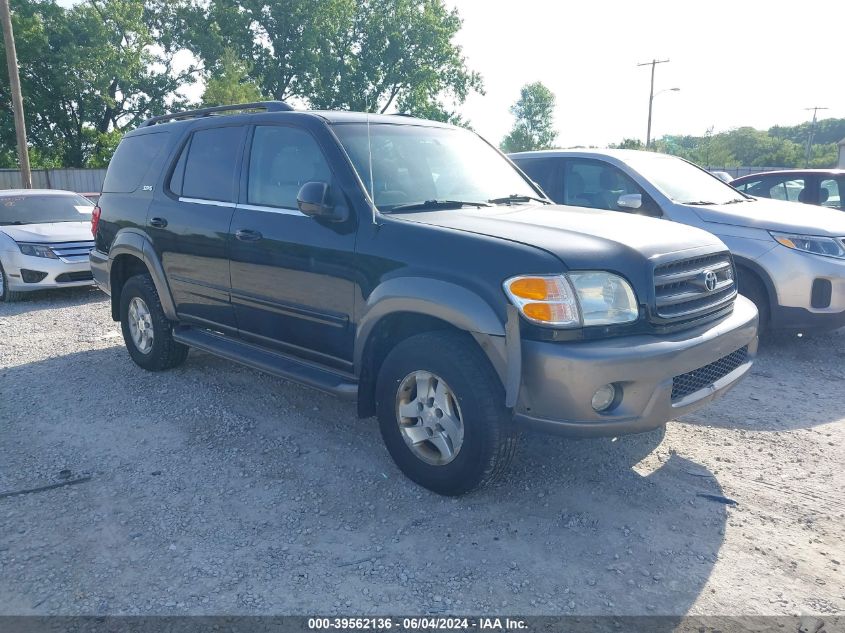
32,276
603,398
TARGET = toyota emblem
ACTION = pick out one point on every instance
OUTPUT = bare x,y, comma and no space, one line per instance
710,280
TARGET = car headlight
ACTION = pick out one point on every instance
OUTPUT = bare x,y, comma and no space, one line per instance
575,299
37,250
827,246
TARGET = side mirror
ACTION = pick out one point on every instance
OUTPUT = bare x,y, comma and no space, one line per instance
314,200
630,201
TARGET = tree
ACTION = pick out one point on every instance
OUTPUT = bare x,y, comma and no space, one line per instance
87,71
370,55
231,83
628,143
534,125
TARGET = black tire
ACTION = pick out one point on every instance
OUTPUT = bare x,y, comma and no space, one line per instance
165,353
750,286
7,295
489,433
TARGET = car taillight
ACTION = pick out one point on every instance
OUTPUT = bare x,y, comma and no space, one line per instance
95,220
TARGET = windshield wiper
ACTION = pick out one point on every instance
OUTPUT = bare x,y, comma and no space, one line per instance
736,200
698,203
515,197
15,223
436,204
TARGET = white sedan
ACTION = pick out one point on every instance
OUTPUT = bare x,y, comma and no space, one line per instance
45,238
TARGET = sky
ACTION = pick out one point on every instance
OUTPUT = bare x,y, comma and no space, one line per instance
739,63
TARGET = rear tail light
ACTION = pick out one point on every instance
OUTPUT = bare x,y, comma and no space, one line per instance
95,220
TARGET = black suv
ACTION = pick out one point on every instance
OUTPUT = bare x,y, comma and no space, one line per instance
411,266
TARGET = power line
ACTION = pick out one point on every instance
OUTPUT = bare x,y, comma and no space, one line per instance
652,63
17,100
815,110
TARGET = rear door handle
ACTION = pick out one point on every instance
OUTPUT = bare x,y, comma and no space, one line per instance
248,235
158,223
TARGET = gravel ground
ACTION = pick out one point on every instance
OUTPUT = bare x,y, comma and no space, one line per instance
216,489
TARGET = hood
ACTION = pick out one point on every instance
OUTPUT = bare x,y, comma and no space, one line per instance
50,232
777,215
581,238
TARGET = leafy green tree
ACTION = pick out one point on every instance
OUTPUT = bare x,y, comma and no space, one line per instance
628,143
230,83
87,71
534,124
371,55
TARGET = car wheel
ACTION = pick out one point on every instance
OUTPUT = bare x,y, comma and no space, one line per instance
5,294
146,330
441,412
750,286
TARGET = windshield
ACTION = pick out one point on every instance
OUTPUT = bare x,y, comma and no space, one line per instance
415,164
34,209
682,182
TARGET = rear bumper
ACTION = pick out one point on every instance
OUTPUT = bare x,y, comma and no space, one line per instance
559,379
99,263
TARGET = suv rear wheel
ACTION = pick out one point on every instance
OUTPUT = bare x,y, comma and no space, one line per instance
146,331
441,413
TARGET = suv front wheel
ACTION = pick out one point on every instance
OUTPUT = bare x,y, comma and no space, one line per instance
442,415
146,331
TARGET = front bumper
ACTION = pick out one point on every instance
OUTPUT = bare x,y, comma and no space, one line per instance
559,379
51,273
792,274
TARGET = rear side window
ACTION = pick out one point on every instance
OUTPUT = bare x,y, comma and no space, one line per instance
546,173
207,168
132,160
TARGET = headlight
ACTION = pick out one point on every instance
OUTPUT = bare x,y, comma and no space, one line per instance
573,300
37,250
827,246
605,298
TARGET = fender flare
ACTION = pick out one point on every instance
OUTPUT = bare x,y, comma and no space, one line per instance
454,304
137,244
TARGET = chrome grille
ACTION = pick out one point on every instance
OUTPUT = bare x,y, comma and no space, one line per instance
698,379
72,251
690,288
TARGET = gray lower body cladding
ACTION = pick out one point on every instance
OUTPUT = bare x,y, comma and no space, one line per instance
657,378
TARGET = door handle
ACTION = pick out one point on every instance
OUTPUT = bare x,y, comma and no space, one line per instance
158,223
248,235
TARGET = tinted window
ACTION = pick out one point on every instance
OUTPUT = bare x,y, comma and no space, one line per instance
545,172
32,209
177,178
830,193
132,160
211,164
282,159
790,189
594,184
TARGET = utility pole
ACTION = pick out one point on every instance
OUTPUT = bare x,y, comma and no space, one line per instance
815,110
17,99
652,63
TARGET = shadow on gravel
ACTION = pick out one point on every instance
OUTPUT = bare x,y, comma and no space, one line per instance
51,300
796,383
232,492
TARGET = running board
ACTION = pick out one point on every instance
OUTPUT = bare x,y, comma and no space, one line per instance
274,363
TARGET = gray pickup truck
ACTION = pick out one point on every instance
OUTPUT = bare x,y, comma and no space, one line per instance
410,266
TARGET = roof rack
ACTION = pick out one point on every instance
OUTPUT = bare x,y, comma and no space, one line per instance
266,106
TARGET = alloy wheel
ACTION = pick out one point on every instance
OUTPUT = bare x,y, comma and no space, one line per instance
429,418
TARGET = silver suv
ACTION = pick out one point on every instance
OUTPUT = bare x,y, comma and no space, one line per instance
790,257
